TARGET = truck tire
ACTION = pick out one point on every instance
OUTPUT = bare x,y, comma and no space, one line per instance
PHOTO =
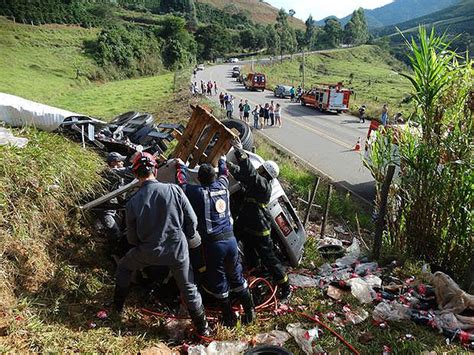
246,136
303,103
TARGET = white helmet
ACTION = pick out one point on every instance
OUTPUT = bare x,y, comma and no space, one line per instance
272,168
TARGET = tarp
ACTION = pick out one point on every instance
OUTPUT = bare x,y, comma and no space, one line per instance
19,112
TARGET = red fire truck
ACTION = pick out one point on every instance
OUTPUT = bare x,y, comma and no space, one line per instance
327,97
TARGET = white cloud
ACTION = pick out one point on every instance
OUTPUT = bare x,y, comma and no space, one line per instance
323,8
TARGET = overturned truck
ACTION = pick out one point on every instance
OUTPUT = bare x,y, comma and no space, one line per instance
204,140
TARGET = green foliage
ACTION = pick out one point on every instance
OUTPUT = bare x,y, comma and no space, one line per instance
132,50
432,206
83,12
213,41
332,33
356,31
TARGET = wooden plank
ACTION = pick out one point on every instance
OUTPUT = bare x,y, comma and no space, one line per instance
199,154
191,134
221,147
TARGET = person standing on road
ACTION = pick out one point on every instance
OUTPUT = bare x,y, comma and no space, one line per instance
256,116
278,115
384,117
241,109
266,114
253,222
362,113
230,107
162,225
221,100
261,115
203,88
211,203
271,112
292,94
194,72
215,88
247,112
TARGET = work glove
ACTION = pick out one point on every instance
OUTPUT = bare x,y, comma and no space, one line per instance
194,241
179,162
240,154
236,143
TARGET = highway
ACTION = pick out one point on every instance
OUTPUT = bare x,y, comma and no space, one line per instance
323,141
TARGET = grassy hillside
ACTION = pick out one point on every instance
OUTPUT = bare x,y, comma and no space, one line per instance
259,11
455,20
368,70
48,64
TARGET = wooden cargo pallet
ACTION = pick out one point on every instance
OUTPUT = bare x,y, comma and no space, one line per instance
204,140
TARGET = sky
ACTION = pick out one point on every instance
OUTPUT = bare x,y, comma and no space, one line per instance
323,8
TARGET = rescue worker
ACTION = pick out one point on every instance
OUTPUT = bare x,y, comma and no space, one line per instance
253,224
210,201
161,224
115,176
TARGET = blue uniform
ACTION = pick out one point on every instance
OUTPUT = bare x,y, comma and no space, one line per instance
211,204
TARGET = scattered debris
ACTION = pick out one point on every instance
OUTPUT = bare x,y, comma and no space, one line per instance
7,138
275,337
219,347
305,338
298,280
158,349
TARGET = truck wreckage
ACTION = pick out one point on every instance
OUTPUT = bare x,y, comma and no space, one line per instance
203,140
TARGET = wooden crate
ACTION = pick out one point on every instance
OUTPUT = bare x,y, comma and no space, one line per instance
202,130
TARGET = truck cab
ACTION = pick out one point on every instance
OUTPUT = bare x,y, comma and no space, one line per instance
255,81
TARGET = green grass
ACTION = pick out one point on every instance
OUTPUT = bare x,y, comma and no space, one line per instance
374,72
40,63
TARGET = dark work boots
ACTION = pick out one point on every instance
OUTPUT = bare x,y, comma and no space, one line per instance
285,292
249,308
120,294
228,317
200,322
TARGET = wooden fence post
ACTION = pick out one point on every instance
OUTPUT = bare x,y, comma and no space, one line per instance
311,200
380,223
326,211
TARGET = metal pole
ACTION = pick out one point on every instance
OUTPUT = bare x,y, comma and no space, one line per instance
310,201
326,211
303,70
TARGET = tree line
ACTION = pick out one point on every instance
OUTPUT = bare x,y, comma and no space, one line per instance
177,33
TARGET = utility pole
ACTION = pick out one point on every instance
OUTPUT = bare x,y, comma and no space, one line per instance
303,70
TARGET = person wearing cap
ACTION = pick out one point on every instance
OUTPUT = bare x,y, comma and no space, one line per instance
211,203
253,223
161,224
115,176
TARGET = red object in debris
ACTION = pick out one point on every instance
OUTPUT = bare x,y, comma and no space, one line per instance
387,350
422,289
331,315
102,314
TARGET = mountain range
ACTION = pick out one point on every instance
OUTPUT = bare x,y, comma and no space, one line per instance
399,11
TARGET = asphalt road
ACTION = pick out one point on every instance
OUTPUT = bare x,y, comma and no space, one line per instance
324,141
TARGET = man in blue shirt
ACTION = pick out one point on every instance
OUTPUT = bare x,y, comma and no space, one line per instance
210,201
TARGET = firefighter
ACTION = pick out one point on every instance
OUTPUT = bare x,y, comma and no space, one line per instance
210,201
253,223
161,224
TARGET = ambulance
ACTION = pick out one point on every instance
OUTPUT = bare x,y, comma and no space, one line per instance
327,97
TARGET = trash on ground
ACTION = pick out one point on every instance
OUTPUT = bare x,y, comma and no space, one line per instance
158,349
219,347
305,338
329,247
177,329
7,138
355,317
275,337
302,280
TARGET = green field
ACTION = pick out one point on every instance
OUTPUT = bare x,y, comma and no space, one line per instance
41,63
368,70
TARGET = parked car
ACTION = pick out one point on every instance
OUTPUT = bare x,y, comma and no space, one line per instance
282,91
200,67
235,72
233,60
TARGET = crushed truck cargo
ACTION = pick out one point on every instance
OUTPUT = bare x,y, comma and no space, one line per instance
204,140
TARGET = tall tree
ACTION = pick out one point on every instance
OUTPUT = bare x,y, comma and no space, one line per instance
310,29
356,30
332,33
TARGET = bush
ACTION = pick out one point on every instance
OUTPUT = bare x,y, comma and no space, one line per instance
431,205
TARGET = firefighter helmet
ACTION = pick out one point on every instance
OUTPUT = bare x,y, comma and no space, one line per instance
271,168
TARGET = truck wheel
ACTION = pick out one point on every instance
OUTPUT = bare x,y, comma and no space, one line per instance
303,103
339,112
246,136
